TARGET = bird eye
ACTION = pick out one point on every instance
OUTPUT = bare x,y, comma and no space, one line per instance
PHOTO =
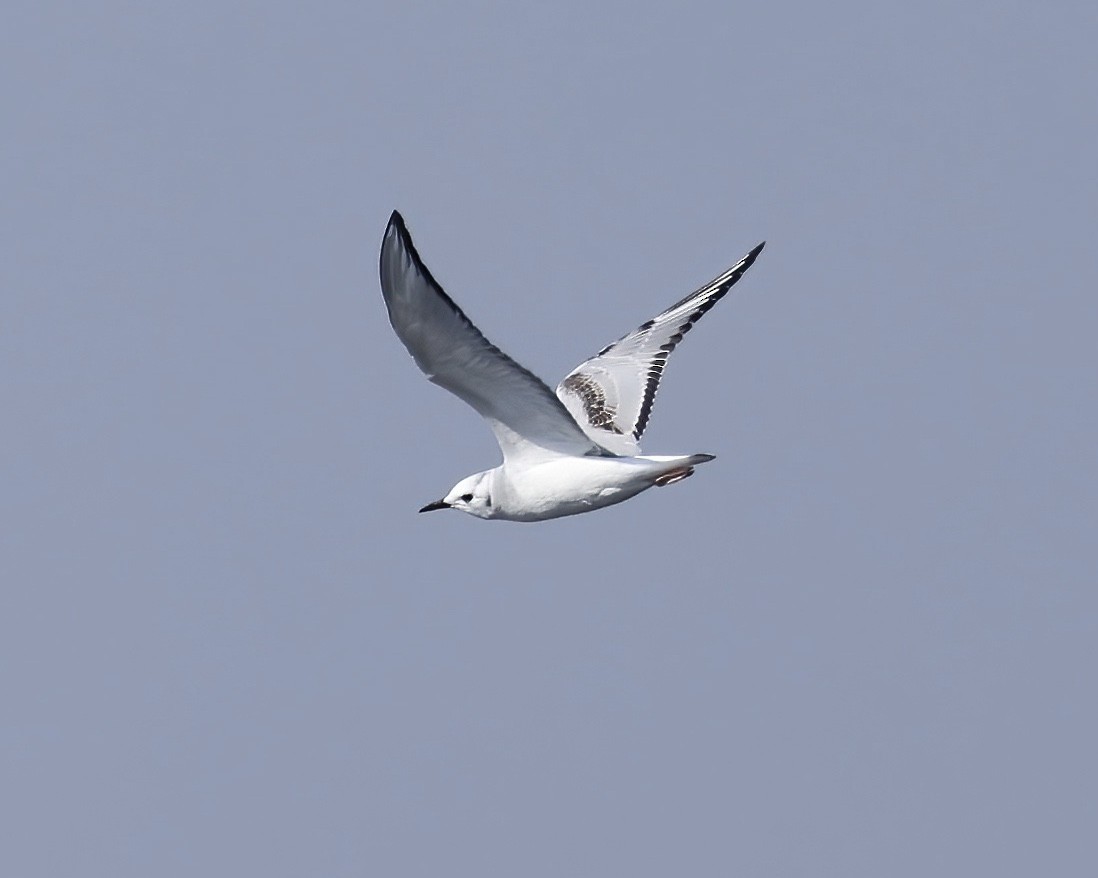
467,498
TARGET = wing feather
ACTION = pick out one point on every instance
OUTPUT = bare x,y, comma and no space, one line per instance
611,394
528,420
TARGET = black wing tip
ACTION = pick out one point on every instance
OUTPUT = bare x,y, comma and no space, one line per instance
396,221
399,238
398,229
394,239
753,255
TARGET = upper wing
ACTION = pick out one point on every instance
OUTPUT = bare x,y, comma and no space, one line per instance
522,411
611,394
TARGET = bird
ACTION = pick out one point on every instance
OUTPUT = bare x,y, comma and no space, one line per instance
564,453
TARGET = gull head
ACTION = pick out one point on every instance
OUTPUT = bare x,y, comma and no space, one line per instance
472,495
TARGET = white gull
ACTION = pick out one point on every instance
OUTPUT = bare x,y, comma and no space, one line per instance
564,453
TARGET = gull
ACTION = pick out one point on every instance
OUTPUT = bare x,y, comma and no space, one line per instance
564,453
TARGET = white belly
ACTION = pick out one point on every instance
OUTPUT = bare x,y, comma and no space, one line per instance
571,485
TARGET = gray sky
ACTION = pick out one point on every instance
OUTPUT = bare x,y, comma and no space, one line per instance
860,643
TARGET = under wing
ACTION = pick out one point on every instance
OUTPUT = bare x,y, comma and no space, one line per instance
528,420
611,394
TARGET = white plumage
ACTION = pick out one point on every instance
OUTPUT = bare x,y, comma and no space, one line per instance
563,453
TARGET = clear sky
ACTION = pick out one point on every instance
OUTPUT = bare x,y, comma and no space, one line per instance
862,642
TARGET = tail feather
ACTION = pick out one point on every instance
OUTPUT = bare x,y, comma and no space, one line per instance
684,459
680,467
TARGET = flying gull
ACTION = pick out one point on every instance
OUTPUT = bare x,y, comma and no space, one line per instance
565,453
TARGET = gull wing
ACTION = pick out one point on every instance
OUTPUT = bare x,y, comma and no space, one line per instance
611,394
527,419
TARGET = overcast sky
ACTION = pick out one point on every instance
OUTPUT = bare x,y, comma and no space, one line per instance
862,642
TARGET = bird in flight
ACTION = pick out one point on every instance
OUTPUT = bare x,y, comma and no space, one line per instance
564,453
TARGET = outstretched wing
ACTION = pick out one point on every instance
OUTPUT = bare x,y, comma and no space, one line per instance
611,394
527,419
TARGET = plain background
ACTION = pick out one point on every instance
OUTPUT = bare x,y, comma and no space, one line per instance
860,643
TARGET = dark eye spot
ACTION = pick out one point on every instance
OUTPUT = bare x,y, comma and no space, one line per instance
467,498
